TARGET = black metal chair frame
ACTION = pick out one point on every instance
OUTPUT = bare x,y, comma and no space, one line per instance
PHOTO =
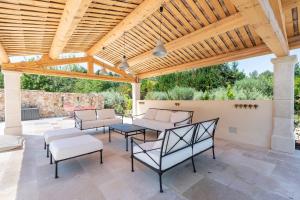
194,140
189,119
57,161
78,121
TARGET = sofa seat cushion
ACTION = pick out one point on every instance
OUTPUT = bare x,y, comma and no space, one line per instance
152,157
163,115
107,122
91,124
106,114
153,124
52,135
86,115
203,145
75,146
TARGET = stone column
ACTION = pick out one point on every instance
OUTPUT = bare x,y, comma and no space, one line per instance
136,95
283,138
12,103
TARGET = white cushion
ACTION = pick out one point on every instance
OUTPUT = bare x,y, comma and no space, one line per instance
173,141
153,157
61,134
86,115
75,146
153,124
107,122
163,115
203,145
150,114
179,116
205,130
91,124
106,114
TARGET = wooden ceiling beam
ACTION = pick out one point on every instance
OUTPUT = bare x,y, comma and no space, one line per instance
73,12
294,43
138,15
3,55
215,29
113,69
261,16
49,72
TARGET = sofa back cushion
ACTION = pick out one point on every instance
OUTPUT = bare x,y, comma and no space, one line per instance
205,130
106,114
179,116
86,115
150,114
163,115
178,138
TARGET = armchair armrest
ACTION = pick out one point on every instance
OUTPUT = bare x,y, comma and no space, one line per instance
136,116
189,119
78,122
120,116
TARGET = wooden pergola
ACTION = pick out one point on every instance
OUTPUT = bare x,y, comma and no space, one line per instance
196,33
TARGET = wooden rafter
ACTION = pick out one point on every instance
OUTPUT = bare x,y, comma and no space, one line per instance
73,12
215,29
49,72
260,15
223,58
3,55
138,15
46,62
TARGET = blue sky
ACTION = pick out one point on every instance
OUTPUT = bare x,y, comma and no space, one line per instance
261,63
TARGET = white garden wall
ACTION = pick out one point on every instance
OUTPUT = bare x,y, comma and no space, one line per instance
243,125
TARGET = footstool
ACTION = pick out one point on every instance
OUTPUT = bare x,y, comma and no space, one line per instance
68,148
58,134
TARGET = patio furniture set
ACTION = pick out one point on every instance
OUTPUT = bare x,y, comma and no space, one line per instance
178,139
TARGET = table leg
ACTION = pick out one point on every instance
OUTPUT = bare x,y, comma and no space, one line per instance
144,132
109,137
126,137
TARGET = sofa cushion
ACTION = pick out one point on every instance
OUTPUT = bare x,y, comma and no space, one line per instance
107,122
75,146
163,115
106,114
150,114
179,116
203,145
152,158
86,115
52,135
92,124
178,138
153,124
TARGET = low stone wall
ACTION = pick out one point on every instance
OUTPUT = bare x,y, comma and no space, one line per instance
53,104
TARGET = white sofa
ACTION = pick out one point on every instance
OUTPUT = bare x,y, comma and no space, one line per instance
88,119
174,146
161,119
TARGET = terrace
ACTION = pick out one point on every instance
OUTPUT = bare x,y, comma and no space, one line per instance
127,41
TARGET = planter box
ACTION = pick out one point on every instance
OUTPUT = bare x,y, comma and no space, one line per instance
30,114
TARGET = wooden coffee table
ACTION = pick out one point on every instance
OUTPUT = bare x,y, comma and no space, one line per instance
127,130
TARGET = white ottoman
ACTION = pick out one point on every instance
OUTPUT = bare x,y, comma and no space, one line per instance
58,134
74,147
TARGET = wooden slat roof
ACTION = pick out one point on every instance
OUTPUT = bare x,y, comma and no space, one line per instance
28,27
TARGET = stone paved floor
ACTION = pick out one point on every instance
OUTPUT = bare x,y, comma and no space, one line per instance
240,172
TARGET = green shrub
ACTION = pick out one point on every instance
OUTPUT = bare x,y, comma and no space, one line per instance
156,96
114,100
181,93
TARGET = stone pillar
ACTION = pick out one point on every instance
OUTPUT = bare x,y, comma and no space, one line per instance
136,95
12,103
283,138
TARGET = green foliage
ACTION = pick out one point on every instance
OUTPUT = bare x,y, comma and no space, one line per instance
181,93
114,100
157,96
